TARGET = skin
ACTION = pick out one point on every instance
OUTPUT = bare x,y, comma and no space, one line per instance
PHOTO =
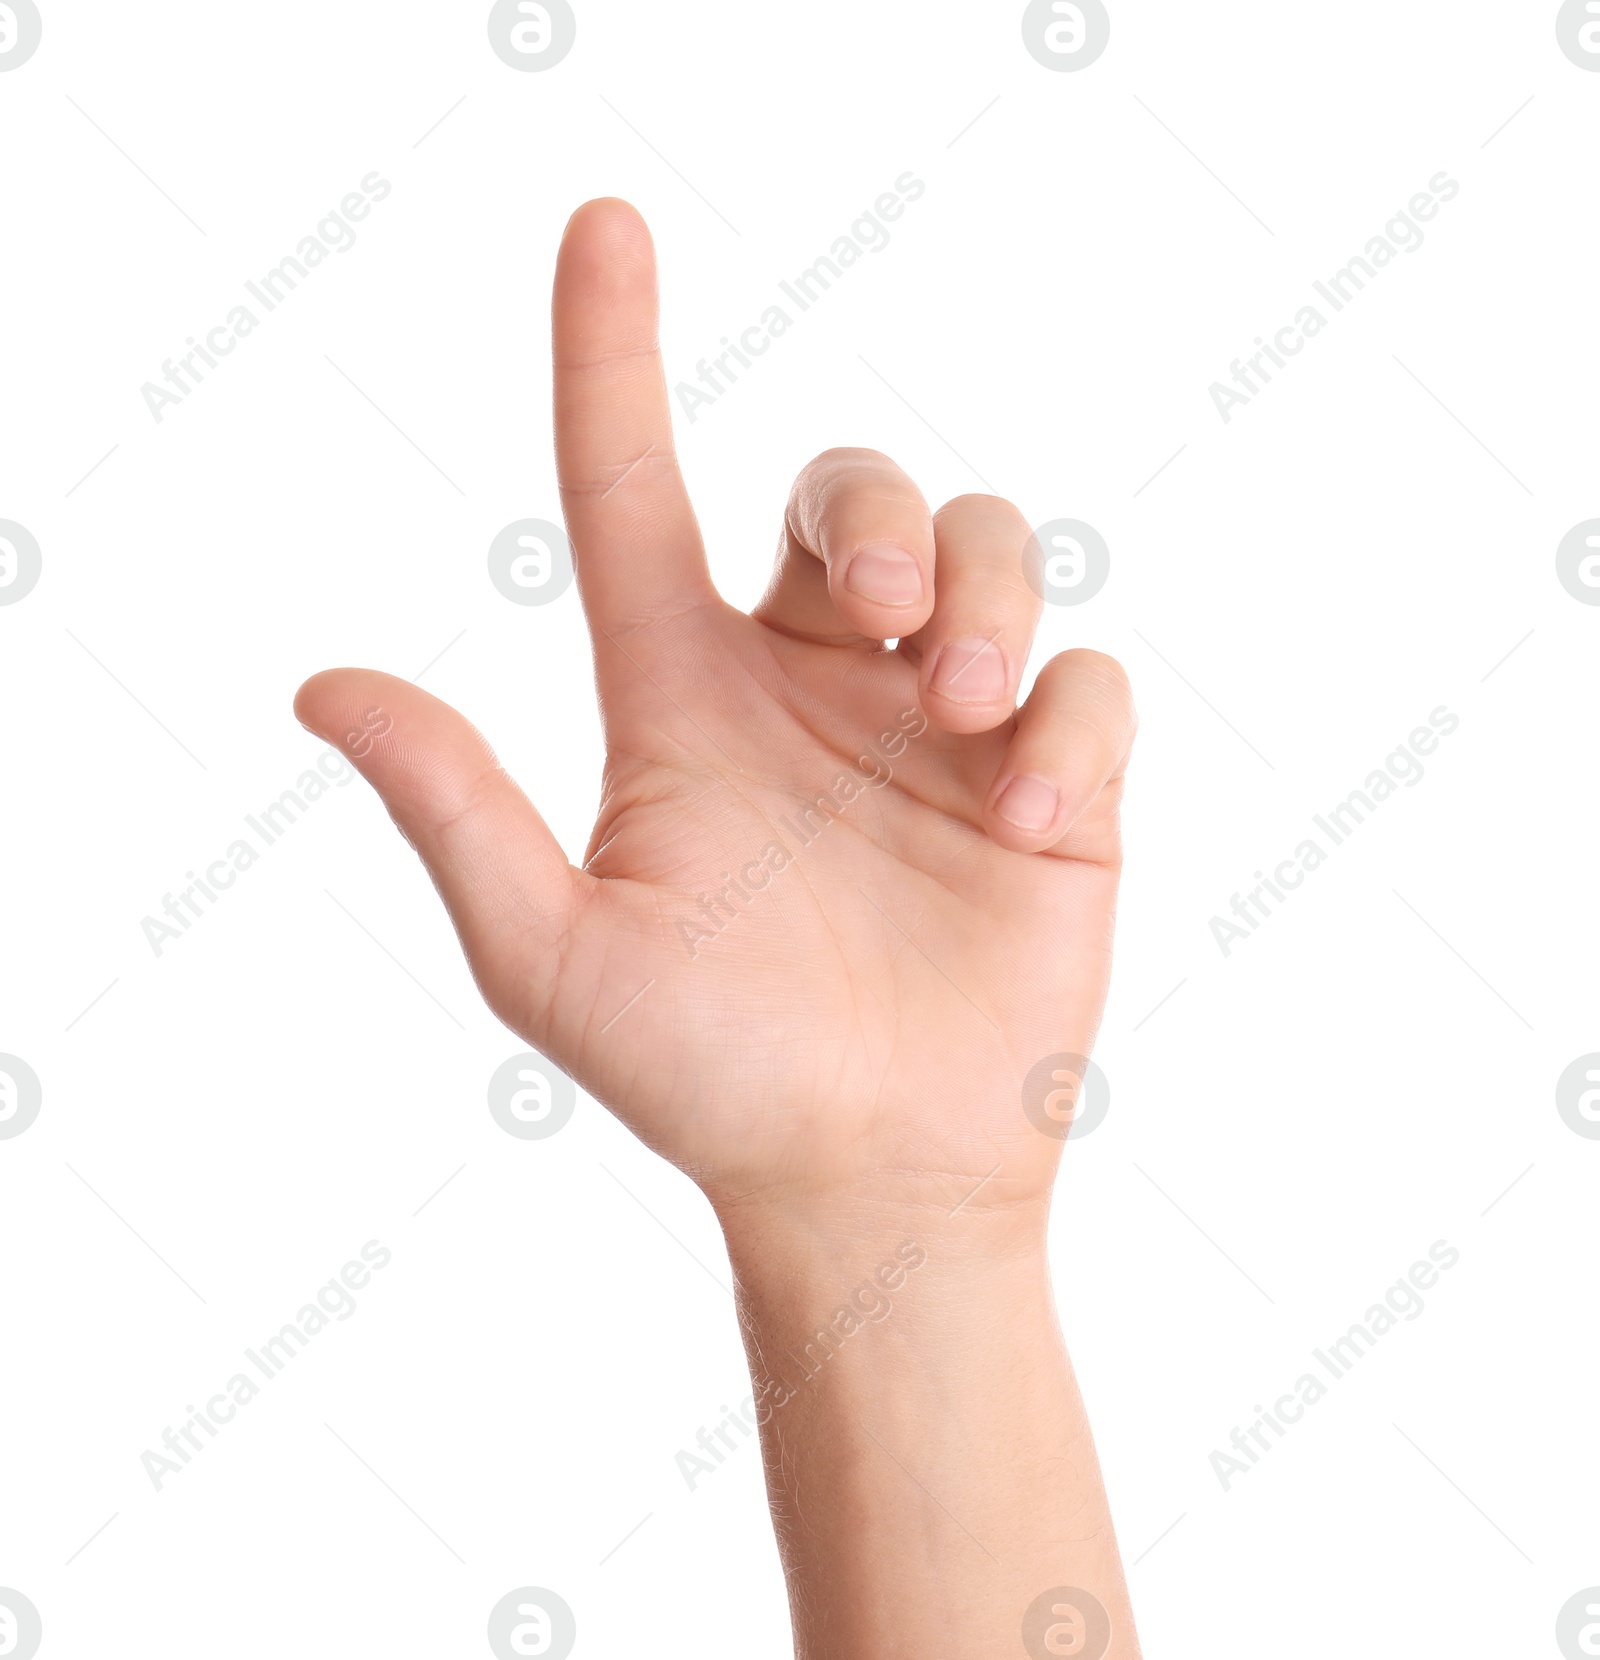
835,1049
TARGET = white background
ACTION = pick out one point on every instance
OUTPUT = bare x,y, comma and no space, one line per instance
1294,593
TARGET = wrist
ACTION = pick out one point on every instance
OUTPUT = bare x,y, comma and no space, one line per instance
822,1237
833,1291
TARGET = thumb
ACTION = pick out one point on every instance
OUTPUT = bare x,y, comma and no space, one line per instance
502,875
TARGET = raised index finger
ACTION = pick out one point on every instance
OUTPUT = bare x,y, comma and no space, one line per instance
638,549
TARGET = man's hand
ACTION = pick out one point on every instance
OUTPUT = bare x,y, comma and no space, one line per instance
866,891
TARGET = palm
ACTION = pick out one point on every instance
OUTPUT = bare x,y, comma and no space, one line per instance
804,947
831,960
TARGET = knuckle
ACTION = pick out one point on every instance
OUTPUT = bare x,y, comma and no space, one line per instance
992,508
1094,686
605,478
1097,670
579,362
841,465
847,495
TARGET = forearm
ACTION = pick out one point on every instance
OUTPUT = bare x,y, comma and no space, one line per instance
929,1464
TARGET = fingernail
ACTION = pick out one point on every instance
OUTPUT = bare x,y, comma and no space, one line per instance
886,575
1029,803
970,671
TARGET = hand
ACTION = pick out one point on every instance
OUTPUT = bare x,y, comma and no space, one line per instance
865,891
839,901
